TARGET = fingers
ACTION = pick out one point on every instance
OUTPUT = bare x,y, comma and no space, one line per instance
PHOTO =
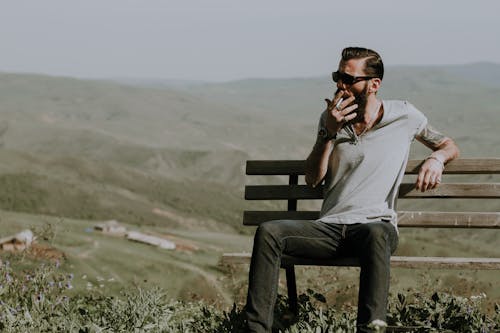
330,103
338,95
345,103
426,181
339,113
343,108
429,177
434,182
348,109
347,114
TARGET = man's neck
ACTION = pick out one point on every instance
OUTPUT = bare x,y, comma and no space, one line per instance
372,109
371,115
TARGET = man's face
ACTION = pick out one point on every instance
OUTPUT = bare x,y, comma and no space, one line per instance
354,67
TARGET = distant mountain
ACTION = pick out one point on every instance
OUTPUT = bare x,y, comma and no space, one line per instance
156,83
42,106
486,73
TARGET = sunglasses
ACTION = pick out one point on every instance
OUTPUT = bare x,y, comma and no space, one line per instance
349,79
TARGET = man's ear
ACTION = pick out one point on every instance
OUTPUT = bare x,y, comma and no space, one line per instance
375,85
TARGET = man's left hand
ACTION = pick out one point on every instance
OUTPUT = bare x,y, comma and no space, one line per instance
429,176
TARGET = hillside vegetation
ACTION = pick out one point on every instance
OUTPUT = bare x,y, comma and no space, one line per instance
169,159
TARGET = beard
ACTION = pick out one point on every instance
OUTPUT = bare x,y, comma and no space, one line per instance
361,99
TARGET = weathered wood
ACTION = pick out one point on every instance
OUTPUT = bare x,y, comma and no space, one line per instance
445,262
282,192
396,261
407,190
235,258
276,167
412,219
345,262
256,217
453,190
244,258
297,167
462,166
486,220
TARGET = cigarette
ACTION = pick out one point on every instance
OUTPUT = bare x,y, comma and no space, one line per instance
337,106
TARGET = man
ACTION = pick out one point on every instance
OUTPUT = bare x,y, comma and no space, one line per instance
360,152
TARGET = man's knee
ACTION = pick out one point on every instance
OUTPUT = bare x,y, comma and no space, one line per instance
269,232
270,228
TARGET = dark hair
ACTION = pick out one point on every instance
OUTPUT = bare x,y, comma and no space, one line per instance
373,62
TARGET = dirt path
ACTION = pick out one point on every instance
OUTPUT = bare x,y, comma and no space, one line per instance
210,278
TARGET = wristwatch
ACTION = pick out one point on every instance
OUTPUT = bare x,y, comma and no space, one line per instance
324,135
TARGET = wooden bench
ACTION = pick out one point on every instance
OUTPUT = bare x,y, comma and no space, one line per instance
406,219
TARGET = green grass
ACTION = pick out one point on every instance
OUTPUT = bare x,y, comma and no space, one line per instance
89,189
112,263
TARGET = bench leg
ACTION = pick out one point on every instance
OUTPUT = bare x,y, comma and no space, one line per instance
292,289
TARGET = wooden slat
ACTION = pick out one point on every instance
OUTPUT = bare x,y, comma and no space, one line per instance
462,166
235,258
451,190
296,167
244,258
256,217
445,262
277,167
396,261
406,219
490,220
344,262
282,192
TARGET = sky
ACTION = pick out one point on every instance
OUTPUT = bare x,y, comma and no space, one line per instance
221,40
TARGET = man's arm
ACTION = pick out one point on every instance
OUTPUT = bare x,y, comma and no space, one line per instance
336,116
444,149
317,162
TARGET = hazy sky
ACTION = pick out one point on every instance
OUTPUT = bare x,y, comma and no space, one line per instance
231,39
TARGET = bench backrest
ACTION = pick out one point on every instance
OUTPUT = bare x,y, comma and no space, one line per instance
294,192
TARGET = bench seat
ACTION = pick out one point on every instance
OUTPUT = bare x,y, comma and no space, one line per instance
396,261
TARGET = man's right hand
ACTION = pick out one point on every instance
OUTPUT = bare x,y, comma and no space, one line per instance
338,116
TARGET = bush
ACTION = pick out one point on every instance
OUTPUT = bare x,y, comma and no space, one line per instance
443,311
40,301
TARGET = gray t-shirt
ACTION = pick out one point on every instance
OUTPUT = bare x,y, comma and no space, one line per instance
364,173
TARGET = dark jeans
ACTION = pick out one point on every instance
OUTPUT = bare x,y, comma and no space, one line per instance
372,242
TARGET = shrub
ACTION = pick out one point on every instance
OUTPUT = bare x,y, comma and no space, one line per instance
441,312
40,301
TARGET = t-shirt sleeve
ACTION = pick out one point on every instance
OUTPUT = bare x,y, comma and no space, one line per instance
417,121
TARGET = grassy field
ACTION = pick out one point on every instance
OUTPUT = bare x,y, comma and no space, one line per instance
109,264
112,263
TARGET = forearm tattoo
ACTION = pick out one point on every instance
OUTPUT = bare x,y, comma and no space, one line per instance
431,137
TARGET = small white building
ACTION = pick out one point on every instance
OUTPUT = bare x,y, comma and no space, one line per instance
152,240
111,227
17,242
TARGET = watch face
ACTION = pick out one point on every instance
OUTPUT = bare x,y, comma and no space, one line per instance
322,132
